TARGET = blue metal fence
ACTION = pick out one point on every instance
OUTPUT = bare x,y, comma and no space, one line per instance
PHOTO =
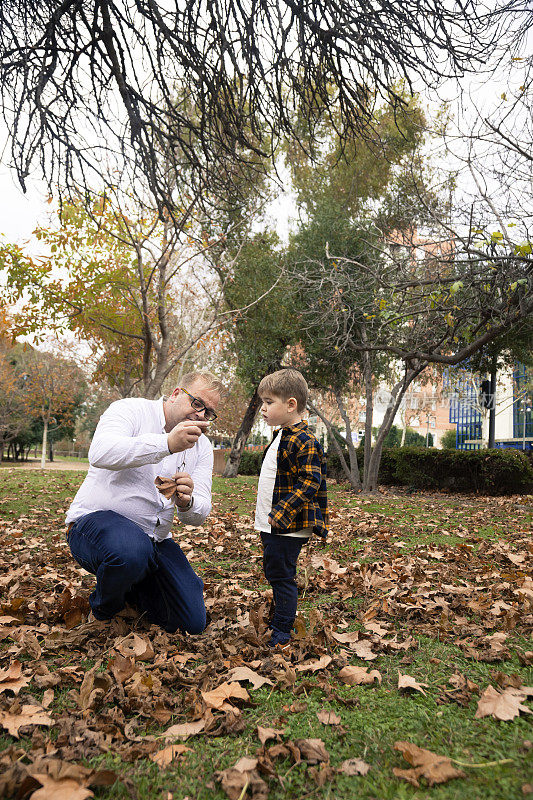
464,388
522,409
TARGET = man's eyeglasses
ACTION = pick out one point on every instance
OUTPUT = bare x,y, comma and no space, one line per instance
199,406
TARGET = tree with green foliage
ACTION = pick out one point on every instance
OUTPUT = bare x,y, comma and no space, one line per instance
350,209
260,335
448,440
400,301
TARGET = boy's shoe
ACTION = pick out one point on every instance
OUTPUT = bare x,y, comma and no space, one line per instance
280,639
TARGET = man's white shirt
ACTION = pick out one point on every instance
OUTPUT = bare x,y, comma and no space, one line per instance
128,451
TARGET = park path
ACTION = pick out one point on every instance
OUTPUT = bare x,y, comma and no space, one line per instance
80,466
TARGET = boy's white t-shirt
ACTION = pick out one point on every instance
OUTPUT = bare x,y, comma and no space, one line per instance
265,493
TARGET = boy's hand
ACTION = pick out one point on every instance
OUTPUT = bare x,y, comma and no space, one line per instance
185,434
184,489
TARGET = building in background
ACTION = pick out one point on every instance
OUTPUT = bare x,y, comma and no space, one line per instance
470,406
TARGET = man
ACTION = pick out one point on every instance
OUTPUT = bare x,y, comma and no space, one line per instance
119,523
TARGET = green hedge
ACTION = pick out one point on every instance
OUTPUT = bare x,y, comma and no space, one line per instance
250,462
484,471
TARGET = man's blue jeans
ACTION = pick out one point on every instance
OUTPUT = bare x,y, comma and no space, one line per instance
280,554
154,576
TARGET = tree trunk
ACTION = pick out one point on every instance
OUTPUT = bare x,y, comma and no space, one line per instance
403,418
354,477
369,405
369,415
351,471
43,451
370,483
492,407
234,459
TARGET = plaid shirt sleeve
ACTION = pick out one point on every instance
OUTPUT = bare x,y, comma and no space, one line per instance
304,489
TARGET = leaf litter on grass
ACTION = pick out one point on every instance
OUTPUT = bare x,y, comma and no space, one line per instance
134,690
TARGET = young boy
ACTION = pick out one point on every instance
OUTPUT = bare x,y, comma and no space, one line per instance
291,494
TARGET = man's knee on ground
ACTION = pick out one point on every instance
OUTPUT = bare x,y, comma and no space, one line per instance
194,623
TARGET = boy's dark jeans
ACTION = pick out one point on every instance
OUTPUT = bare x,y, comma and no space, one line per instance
280,554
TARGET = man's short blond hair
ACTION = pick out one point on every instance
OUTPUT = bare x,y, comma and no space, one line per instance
286,383
211,382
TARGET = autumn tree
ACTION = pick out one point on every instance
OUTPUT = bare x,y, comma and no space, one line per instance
94,92
13,415
134,287
53,388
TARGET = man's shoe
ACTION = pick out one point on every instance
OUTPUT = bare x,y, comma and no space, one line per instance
101,622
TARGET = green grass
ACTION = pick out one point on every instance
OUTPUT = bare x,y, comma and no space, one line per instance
367,530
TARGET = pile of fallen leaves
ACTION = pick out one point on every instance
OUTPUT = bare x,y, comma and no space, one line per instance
146,692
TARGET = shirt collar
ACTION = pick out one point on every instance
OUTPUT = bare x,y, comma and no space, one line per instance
298,426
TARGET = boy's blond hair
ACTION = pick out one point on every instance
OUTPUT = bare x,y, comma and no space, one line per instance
286,383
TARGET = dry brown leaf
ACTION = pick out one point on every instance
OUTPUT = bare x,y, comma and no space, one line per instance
216,698
407,682
12,679
363,650
505,681
63,789
93,687
431,766
184,730
168,754
285,675
167,487
321,774
314,666
137,647
346,638
312,750
242,779
48,698
121,667
376,627
503,705
328,717
7,620
354,766
247,674
265,734
355,676
29,715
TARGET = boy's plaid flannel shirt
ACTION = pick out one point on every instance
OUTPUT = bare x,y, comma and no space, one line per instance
300,497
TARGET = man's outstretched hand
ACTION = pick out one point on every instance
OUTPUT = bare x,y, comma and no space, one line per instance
185,434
